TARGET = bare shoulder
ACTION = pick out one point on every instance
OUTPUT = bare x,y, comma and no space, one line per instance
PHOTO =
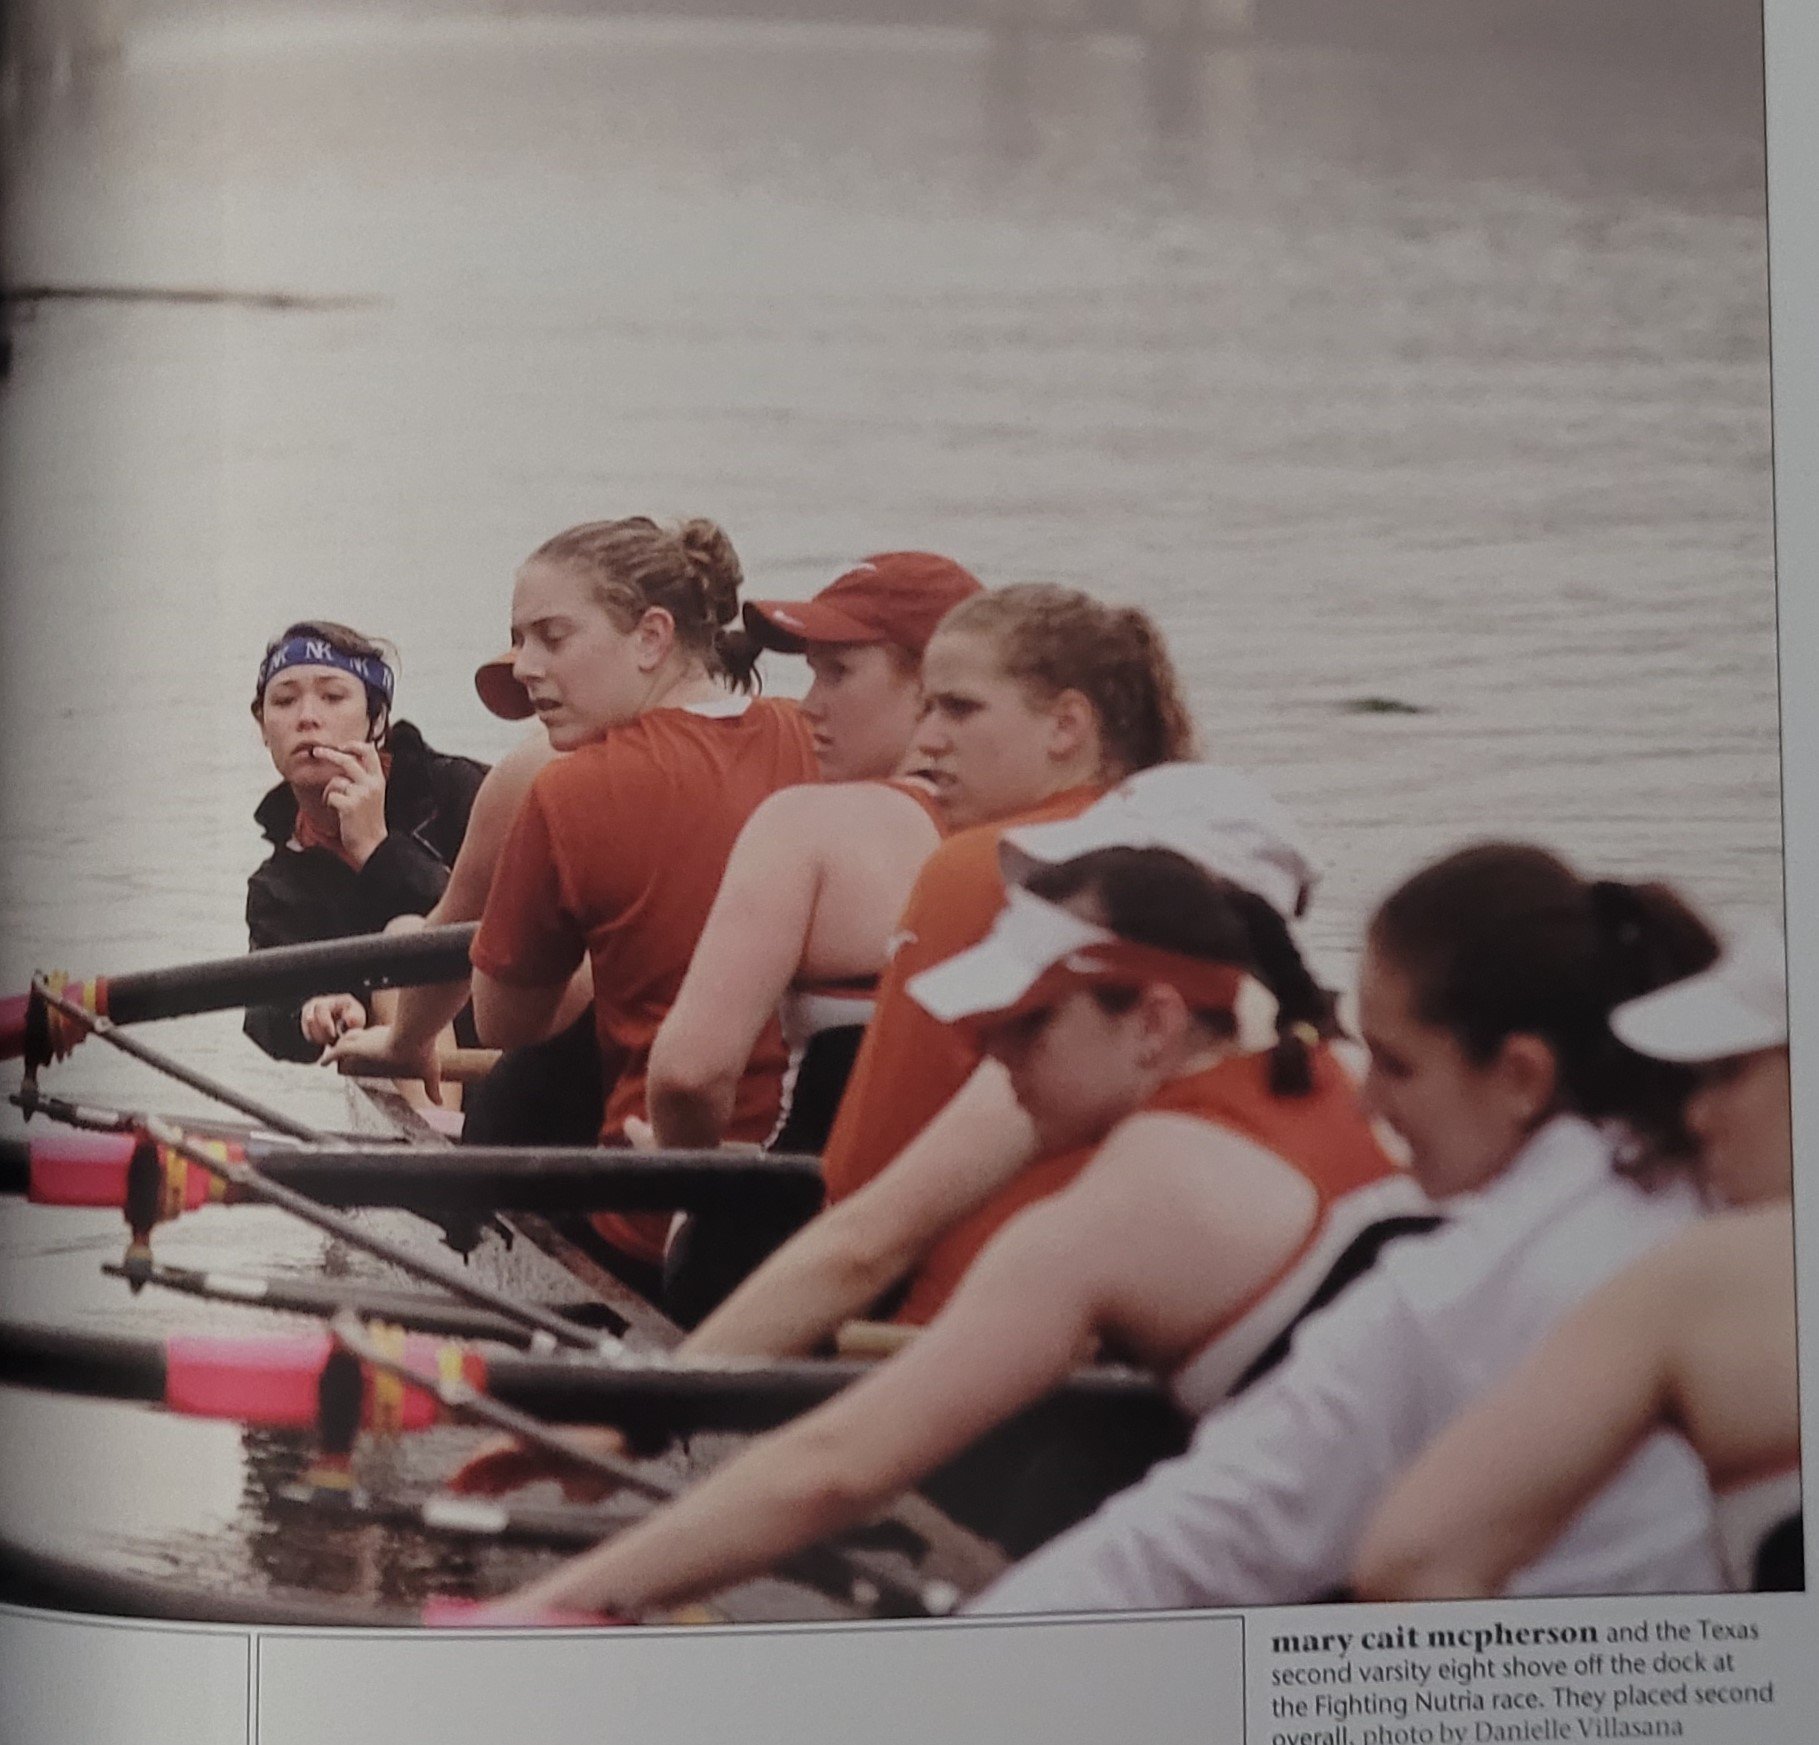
1164,1156
1728,1249
504,786
826,811
515,771
1710,1269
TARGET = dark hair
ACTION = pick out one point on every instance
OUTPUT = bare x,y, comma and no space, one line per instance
1055,639
1504,939
688,568
1153,896
348,642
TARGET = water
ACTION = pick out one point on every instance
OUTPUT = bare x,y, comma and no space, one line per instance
1409,378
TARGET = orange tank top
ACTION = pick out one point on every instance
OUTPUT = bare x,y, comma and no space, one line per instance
1324,1136
617,854
910,1063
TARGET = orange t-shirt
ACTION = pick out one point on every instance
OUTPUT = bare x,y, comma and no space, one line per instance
617,853
911,1064
1324,1135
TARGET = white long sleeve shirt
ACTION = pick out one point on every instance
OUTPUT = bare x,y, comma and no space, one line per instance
1270,1501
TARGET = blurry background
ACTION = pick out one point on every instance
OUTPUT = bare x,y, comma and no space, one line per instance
1380,361
1408,359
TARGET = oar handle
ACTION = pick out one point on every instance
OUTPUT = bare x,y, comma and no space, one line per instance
278,976
872,1339
457,1066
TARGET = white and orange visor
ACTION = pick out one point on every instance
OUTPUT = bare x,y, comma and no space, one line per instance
1037,953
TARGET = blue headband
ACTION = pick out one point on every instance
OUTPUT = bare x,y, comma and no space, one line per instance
369,669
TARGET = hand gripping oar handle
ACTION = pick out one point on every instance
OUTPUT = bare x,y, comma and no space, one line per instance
280,976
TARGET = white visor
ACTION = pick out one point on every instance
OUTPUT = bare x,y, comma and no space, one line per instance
1029,937
1738,1006
1222,820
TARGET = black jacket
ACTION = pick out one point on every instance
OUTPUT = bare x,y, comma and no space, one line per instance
300,895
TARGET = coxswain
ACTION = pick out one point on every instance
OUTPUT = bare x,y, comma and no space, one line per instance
364,822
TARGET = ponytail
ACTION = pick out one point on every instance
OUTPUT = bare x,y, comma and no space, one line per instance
1154,896
1307,1014
1504,939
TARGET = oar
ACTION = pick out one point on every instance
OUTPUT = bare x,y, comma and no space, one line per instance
96,1169
417,1311
280,976
852,1578
273,1380
32,1099
455,1066
251,1184
554,1526
146,1205
276,1383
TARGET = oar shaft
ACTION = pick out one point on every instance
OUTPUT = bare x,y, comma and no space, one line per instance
205,1374
252,1184
282,975
63,1360
418,1311
520,1179
251,1107
461,1400
288,973
15,1168
94,1170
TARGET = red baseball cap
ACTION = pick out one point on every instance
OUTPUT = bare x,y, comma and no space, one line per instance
500,691
892,596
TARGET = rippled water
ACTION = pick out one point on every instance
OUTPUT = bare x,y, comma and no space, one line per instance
1412,378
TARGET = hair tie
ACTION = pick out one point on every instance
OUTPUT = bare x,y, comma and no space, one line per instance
1307,1034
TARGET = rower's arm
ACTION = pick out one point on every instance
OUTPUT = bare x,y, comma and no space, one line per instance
840,1263
1504,1480
1017,1326
496,804
748,953
424,1012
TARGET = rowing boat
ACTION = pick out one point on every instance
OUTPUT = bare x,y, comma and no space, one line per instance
526,1256
521,1262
